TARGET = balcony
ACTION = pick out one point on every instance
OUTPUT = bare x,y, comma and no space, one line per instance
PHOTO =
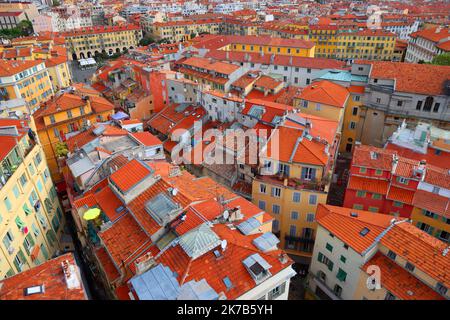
12,161
296,183
302,244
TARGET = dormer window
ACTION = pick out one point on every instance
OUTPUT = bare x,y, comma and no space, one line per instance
257,267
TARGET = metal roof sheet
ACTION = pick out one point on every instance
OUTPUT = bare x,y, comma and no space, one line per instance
248,226
199,241
266,242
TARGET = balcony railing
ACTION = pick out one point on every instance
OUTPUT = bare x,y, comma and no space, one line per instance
303,244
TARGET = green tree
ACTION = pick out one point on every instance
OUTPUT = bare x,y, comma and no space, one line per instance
145,41
441,60
56,3
61,149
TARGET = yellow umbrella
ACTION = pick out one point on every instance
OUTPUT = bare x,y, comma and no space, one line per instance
91,214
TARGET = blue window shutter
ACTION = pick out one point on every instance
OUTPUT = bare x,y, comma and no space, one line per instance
304,173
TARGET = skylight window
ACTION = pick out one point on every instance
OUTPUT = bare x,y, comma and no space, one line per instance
364,231
228,283
34,290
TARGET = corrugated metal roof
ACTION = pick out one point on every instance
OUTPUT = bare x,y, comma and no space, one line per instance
266,242
158,283
200,290
249,226
199,241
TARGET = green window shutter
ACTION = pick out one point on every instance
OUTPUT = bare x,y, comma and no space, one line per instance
49,237
329,247
35,230
343,259
330,265
44,251
20,224
320,257
48,205
341,275
17,265
22,256
26,209
30,239
10,273
430,230
26,248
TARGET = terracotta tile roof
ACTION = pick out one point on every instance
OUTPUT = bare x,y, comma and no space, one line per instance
412,77
66,101
308,152
282,60
98,30
137,206
245,80
217,66
88,200
437,176
100,104
7,143
432,202
164,120
367,184
130,174
339,222
214,270
146,138
405,167
108,266
400,194
271,109
442,160
123,252
50,274
420,249
109,203
362,158
432,34
401,283
325,92
267,82
12,67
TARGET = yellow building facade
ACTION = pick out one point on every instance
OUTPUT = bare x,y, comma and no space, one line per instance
65,114
25,79
366,44
435,224
88,42
31,217
268,45
326,40
180,31
351,119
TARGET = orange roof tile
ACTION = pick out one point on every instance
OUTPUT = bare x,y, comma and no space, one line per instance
146,138
362,158
367,184
123,252
325,92
432,202
400,194
50,274
421,249
401,283
108,266
339,222
130,174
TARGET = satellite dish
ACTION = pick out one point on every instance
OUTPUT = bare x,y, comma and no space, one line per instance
223,244
226,214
